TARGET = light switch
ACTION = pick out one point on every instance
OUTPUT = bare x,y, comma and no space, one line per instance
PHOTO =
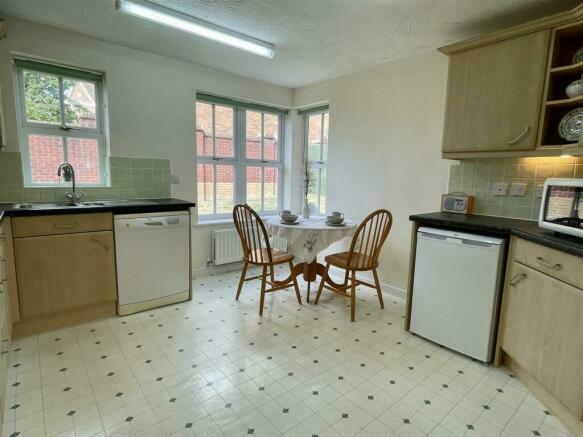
500,189
518,189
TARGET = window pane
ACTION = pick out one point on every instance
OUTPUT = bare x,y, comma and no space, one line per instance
270,188
83,154
204,178
325,139
323,191
204,129
225,175
79,103
41,97
270,136
253,135
254,187
313,188
224,132
46,154
314,137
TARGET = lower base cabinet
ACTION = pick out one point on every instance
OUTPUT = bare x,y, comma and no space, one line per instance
542,327
57,273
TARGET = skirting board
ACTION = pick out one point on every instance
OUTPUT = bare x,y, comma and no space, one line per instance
335,272
391,290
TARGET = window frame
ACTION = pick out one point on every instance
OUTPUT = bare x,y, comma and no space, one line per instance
61,130
240,162
319,164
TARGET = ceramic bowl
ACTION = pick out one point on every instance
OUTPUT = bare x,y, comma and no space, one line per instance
290,218
335,220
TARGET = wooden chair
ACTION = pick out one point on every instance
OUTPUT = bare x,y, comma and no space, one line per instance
363,256
257,251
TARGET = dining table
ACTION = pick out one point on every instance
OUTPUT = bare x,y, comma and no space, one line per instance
306,239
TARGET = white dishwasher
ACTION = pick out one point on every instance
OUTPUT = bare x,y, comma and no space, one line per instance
153,260
456,290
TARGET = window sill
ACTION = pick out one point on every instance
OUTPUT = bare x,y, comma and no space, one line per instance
225,221
213,222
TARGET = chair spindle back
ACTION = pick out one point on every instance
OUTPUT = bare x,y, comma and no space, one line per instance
253,235
369,238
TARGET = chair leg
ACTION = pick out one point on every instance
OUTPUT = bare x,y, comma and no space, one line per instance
242,280
296,286
263,286
378,285
353,296
322,282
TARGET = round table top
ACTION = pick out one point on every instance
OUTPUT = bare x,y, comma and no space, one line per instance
317,223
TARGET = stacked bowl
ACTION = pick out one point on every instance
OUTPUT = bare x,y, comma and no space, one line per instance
287,218
335,219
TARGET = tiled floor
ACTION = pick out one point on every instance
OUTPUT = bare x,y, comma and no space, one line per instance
213,367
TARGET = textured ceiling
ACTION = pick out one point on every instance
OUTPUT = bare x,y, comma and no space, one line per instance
315,39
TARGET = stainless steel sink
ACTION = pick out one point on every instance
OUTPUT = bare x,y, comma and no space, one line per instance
42,205
64,205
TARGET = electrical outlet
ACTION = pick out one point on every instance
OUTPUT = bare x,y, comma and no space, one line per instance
500,189
174,179
518,189
539,190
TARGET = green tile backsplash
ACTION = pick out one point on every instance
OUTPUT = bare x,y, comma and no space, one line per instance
478,176
131,178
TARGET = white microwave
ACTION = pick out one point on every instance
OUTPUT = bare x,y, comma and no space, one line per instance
562,206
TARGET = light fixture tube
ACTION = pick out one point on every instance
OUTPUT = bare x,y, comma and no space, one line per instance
168,17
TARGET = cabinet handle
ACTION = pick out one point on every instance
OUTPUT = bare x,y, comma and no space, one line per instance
65,226
518,278
520,136
101,242
543,263
3,270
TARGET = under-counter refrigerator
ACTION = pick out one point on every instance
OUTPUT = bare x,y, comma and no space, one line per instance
456,290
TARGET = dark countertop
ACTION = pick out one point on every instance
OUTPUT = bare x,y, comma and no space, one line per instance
500,226
117,207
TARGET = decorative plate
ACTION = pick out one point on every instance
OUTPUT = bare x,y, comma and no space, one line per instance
570,125
578,56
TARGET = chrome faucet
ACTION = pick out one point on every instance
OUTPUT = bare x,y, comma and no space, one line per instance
68,173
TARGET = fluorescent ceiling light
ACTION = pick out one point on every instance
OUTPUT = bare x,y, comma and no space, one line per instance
159,14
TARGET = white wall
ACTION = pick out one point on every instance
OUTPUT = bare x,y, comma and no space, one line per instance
385,146
150,99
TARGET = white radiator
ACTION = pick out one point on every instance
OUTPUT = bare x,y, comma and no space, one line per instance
226,246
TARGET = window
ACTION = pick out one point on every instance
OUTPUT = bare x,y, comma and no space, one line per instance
239,151
60,120
316,122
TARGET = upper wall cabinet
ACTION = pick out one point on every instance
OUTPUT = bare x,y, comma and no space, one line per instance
494,95
506,91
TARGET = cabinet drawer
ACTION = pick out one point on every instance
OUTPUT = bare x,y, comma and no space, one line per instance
61,224
552,262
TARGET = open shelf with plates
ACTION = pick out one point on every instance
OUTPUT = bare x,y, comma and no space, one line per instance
563,113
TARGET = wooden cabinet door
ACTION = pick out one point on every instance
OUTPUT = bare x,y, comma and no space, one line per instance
543,332
8,286
494,95
63,272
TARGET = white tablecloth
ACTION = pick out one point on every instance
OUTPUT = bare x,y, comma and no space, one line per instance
310,236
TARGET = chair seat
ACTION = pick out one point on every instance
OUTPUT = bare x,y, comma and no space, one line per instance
278,257
357,262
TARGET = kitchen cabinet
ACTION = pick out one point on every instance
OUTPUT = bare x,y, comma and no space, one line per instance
65,269
506,90
541,325
494,95
7,305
